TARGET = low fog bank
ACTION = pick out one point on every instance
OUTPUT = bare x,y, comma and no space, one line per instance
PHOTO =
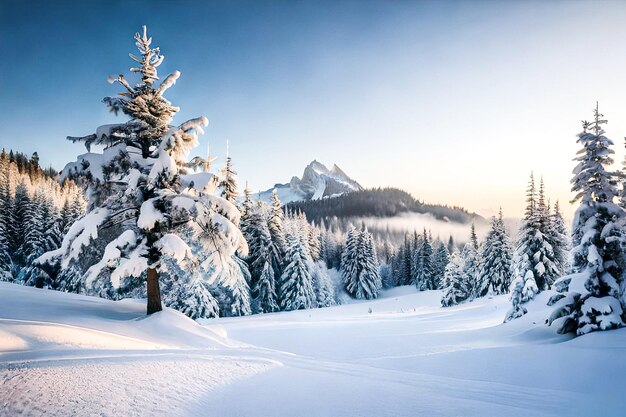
410,222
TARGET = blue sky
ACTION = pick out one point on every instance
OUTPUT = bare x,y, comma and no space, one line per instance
454,101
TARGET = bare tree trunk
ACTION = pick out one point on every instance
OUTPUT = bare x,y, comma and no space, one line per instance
154,292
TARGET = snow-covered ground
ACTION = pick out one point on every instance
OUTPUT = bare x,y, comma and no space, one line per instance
401,355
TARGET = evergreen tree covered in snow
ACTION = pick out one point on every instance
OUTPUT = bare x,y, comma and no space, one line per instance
559,240
277,233
496,266
424,270
526,244
6,263
264,290
592,297
228,183
359,265
322,285
149,220
296,290
441,257
260,258
471,262
456,288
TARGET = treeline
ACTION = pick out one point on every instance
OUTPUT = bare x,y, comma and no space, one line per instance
35,212
377,202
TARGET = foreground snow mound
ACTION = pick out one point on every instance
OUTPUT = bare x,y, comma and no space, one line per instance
399,355
35,319
66,354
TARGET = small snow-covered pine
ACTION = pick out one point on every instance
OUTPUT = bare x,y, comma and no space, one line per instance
264,290
456,288
296,289
228,183
423,269
441,257
496,265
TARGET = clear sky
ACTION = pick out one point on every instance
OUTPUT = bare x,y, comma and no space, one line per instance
455,102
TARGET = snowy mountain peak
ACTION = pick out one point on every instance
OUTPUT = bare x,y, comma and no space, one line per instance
317,182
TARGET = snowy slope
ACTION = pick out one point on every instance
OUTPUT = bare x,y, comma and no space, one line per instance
317,182
401,355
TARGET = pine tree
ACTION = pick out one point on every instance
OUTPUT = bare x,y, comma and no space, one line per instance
228,184
322,285
441,257
144,213
6,264
451,245
359,266
456,288
406,271
264,291
424,270
296,291
523,289
496,266
559,240
470,267
592,296
277,233
536,264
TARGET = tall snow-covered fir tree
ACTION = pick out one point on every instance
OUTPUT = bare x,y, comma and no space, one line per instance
296,287
359,265
441,257
470,258
558,237
277,233
424,272
496,266
592,297
149,220
537,263
264,290
260,258
6,264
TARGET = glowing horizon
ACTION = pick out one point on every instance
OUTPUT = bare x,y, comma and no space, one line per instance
454,102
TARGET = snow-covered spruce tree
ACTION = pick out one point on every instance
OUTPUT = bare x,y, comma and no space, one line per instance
456,288
6,263
315,244
264,290
424,270
537,263
296,290
260,257
593,295
228,183
359,266
559,240
496,265
277,233
451,245
322,285
33,245
441,257
147,219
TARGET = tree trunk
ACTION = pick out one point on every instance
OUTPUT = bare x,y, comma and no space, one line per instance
154,292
